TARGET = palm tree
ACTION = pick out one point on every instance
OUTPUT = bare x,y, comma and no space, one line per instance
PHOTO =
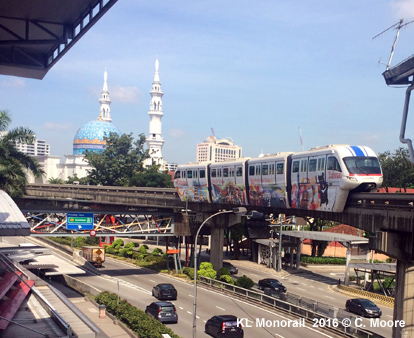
13,163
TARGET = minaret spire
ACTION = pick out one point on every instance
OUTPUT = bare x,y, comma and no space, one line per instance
105,101
154,140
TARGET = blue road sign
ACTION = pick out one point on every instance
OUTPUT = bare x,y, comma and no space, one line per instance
79,221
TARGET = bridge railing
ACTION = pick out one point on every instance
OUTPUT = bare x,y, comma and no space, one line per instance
106,194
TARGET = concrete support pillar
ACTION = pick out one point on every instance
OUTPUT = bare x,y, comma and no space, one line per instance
291,258
217,243
404,300
348,258
298,251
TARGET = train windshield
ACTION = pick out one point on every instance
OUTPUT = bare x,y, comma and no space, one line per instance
363,165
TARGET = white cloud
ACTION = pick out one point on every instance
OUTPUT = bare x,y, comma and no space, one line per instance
13,82
58,126
403,9
176,133
125,94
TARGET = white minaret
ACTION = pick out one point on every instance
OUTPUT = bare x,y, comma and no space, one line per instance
105,101
154,139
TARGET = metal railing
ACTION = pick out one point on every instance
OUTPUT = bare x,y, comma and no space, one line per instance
299,306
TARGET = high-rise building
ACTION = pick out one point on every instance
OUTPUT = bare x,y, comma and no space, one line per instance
215,150
36,148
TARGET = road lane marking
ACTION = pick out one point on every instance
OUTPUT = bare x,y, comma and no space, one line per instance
218,307
329,297
301,289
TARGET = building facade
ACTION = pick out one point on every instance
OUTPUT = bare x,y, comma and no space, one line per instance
215,150
37,148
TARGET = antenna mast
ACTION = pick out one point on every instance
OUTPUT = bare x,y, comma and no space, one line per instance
398,27
300,136
212,130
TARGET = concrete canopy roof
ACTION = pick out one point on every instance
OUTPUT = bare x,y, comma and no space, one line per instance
34,35
326,236
12,220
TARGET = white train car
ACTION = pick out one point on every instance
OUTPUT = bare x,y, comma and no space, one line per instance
267,180
228,182
191,181
321,179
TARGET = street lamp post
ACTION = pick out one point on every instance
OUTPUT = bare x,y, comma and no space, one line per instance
240,210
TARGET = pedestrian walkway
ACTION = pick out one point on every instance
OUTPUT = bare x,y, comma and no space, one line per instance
105,327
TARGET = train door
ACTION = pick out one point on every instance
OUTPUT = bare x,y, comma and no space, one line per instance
240,180
333,179
255,183
217,194
314,200
203,186
268,183
280,197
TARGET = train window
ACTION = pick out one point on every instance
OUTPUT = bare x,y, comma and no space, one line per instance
295,166
280,168
272,169
202,173
189,174
226,172
303,164
258,170
213,173
321,164
312,164
195,174
231,172
239,171
184,175
333,164
265,169
177,174
251,170
219,172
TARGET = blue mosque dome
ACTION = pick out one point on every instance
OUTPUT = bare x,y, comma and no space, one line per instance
91,136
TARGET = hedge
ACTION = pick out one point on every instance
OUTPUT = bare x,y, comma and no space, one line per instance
137,320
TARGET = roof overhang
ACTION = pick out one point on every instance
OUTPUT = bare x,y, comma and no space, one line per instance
12,220
401,73
34,35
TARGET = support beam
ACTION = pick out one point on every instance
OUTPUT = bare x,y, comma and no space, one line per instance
404,300
217,243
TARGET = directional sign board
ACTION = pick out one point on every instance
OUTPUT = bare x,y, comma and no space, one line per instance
79,221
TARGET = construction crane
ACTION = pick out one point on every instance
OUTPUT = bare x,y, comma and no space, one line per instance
400,24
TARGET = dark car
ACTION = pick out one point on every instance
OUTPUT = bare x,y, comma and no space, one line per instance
224,326
272,284
163,312
233,270
363,307
164,291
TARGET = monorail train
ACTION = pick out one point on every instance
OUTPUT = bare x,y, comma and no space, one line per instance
319,179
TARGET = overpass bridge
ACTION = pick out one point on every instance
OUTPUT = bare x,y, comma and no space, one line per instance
388,218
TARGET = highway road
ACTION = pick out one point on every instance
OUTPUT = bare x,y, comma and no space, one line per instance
135,285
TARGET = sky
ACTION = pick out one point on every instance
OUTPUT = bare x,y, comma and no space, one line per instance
258,73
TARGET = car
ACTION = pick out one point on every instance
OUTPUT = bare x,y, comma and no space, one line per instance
164,291
164,312
272,284
224,326
233,270
363,307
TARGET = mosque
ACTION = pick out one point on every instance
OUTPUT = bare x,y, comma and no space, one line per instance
91,137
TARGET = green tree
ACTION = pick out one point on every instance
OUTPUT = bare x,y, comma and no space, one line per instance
14,164
398,172
118,162
54,180
152,177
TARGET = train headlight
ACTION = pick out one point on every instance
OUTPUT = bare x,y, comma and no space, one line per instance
353,179
380,179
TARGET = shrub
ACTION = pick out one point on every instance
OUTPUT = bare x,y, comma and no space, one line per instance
227,279
79,242
206,266
129,249
189,272
210,273
135,255
143,250
156,251
136,245
224,272
145,246
244,282
117,243
110,250
156,259
323,260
